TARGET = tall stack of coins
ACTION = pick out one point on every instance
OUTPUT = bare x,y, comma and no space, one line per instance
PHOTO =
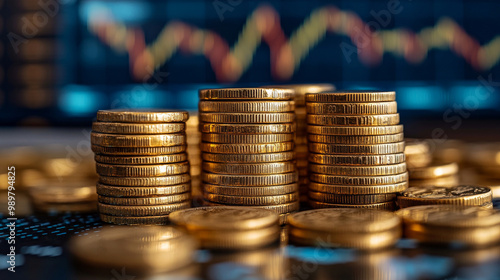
142,165
247,148
356,150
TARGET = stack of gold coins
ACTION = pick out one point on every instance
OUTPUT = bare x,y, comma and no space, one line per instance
458,195
247,148
142,165
194,153
353,228
451,225
356,150
229,227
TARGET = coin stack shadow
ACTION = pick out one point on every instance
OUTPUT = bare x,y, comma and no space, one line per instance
356,150
247,148
142,165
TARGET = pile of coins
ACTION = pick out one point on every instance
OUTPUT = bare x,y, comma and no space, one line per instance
247,148
458,195
142,165
356,150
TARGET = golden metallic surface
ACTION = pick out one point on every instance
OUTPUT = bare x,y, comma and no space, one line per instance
352,96
142,116
134,128
247,128
418,160
249,168
145,181
370,120
251,191
138,150
355,130
246,148
376,170
248,158
247,106
358,180
264,118
416,146
142,170
484,154
247,139
237,240
144,201
351,199
494,185
133,160
66,191
301,90
434,171
252,200
139,211
376,149
377,108
389,206
357,159
448,182
279,209
246,94
250,180
356,140
121,191
118,140
358,190
459,195
147,220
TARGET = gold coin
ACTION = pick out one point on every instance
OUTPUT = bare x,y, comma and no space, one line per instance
121,191
237,240
459,195
494,185
357,159
116,140
377,170
251,191
247,139
358,190
389,206
148,220
376,149
248,158
139,211
56,191
356,140
250,168
418,160
142,170
143,128
246,94
352,96
301,90
138,150
142,116
434,171
374,120
247,128
378,108
246,148
355,130
247,107
138,201
251,200
278,208
416,146
358,180
161,159
448,181
145,181
351,199
272,118
250,180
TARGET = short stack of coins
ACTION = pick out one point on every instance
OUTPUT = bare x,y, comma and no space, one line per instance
247,148
356,150
142,165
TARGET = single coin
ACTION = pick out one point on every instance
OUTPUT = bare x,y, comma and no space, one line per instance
246,148
389,206
247,107
352,96
279,208
459,195
252,200
377,170
358,190
138,150
376,108
142,170
145,181
139,211
358,180
376,149
351,199
251,191
301,90
357,159
247,128
161,159
355,130
148,220
117,140
246,94
137,201
142,116
248,158
249,168
434,171
247,139
416,146
121,191
378,120
143,128
356,140
250,180
271,118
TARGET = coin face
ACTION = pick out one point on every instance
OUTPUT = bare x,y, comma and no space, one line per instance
352,96
142,116
246,94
